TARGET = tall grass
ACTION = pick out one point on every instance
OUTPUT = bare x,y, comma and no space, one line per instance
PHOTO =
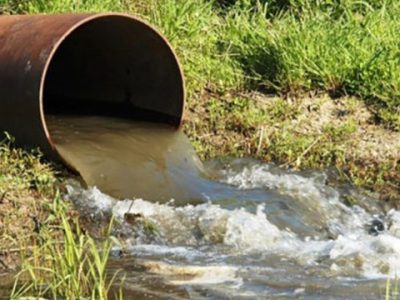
41,233
346,47
195,30
392,289
64,262
57,6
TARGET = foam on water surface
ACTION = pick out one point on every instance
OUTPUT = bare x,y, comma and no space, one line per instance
256,230
342,251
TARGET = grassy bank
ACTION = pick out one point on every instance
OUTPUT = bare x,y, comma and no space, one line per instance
40,235
342,47
27,188
63,261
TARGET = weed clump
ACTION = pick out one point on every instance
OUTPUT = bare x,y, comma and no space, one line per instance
40,234
64,262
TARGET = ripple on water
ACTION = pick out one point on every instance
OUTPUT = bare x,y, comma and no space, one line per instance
236,246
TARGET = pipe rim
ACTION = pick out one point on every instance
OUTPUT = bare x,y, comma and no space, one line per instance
89,18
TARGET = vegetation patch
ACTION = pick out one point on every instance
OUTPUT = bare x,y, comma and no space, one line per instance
41,239
342,47
65,262
311,131
27,189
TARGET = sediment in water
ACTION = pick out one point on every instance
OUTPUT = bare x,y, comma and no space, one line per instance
128,159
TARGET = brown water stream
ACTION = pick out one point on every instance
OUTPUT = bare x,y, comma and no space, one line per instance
257,231
128,159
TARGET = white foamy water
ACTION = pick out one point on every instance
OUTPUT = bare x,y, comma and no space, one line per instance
247,243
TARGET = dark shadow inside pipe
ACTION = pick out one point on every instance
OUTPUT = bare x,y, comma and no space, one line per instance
115,66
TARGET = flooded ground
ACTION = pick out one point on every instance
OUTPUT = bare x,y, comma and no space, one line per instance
255,232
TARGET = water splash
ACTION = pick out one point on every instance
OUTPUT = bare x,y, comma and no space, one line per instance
341,256
129,159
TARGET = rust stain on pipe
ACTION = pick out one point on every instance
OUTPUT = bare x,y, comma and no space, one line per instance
83,64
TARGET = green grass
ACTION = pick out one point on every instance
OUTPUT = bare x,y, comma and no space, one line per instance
228,49
48,7
334,48
41,236
22,170
392,289
343,47
64,262
27,186
195,29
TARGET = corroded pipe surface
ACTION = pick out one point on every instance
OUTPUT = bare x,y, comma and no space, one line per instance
89,64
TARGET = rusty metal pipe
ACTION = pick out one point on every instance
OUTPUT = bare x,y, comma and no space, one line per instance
83,63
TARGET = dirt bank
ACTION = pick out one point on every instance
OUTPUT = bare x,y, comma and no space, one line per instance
312,131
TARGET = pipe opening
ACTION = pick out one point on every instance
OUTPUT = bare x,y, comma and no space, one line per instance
118,66
88,89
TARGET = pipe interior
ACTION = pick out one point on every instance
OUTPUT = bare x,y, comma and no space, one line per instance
117,66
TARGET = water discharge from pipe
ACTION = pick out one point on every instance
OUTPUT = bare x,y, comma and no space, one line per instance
82,87
129,159
84,64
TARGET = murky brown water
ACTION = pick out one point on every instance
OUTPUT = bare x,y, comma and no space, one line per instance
128,159
258,231
265,233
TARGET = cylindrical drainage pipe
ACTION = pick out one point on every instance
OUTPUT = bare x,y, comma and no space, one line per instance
85,64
